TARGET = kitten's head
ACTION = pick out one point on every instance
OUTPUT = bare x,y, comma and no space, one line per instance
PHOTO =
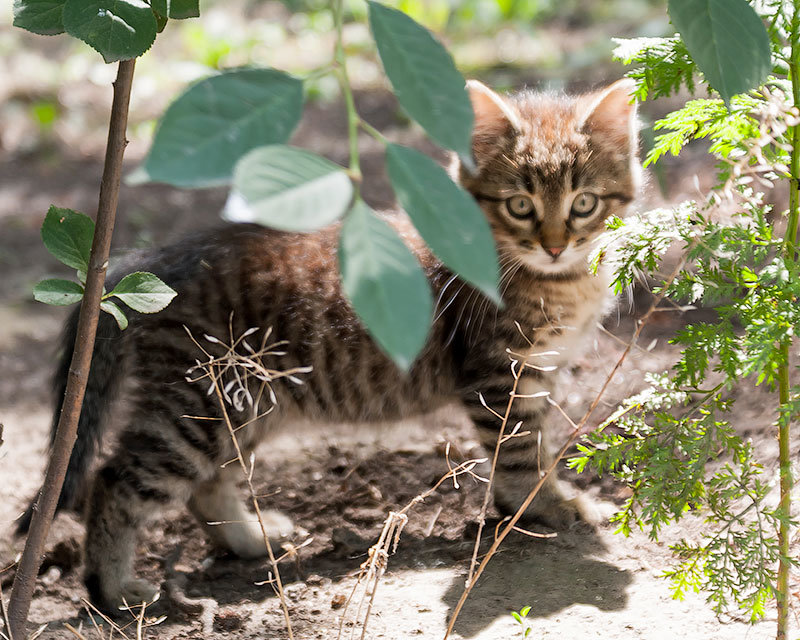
551,169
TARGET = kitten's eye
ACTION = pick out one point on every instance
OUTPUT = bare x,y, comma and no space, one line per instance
584,205
520,206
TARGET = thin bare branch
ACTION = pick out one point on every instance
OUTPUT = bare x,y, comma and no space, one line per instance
78,376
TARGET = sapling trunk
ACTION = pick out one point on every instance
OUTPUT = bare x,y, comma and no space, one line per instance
28,569
784,421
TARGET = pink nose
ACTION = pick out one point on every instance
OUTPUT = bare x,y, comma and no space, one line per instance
554,251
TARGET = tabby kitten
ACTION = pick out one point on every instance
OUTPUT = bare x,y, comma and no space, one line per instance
550,170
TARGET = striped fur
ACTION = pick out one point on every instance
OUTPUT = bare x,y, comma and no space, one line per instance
543,148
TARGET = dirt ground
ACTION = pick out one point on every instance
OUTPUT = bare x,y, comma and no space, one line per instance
339,484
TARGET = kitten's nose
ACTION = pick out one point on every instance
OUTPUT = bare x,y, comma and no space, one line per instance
554,251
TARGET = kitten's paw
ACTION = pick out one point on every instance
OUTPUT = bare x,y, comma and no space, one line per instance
246,539
582,509
556,505
114,591
135,592
278,526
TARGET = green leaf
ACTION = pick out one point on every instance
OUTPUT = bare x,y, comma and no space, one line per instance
727,41
177,9
58,292
516,616
39,16
385,284
424,78
524,611
118,29
117,313
289,189
447,217
182,9
68,235
214,123
143,292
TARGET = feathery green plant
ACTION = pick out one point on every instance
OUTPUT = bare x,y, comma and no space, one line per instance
675,446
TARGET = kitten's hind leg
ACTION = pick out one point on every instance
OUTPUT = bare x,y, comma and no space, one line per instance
220,510
123,497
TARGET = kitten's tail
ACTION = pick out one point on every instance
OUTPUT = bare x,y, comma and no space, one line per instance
104,378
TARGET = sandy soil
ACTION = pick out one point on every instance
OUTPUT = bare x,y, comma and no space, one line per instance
336,483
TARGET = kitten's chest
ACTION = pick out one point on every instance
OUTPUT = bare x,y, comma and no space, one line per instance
559,317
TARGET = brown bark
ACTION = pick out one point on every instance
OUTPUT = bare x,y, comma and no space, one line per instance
28,569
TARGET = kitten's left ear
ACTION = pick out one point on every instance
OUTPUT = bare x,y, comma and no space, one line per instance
493,114
611,113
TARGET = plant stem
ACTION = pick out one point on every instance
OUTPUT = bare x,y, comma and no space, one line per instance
366,126
353,120
784,385
28,569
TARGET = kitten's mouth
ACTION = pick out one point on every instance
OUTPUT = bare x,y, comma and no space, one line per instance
552,262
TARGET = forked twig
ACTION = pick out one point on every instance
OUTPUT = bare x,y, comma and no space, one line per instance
373,568
237,393
203,608
516,372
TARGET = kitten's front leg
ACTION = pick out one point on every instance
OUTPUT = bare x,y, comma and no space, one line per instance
523,459
236,528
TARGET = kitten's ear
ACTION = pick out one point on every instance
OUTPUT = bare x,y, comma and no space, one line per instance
610,113
493,114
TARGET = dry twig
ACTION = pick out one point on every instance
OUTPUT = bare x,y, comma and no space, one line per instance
373,568
174,584
6,634
230,379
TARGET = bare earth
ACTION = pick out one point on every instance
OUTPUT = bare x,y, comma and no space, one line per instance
339,484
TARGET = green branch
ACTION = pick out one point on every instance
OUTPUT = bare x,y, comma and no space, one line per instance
353,119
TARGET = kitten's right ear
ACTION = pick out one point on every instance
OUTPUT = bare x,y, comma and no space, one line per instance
493,114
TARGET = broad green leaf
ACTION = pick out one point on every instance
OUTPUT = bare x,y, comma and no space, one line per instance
727,41
58,292
215,122
39,16
143,292
424,78
290,189
68,235
117,313
385,284
447,217
118,29
177,9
